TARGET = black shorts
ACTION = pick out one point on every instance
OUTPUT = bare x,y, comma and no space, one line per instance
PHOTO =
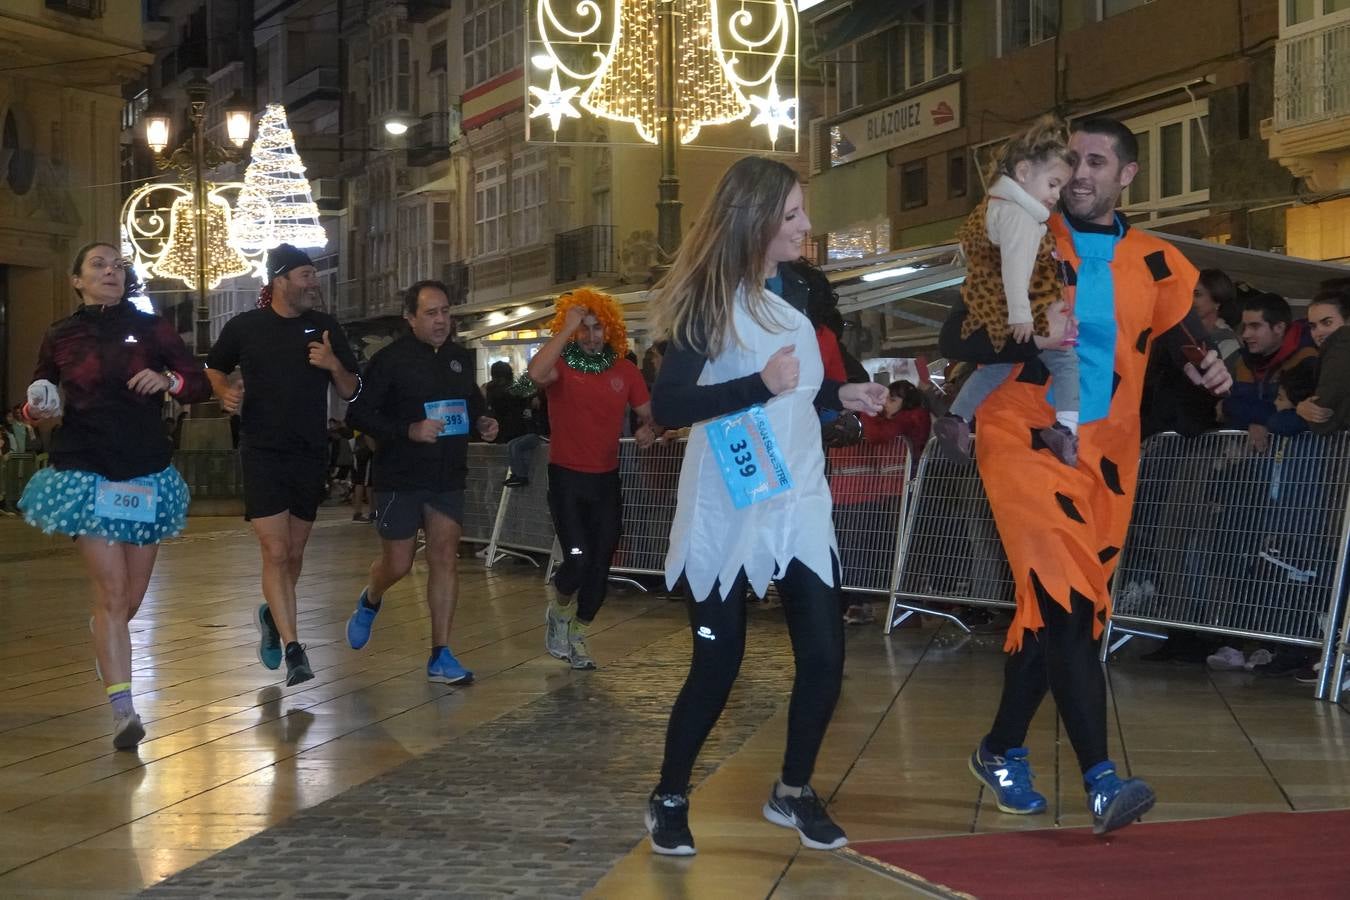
398,514
278,482
361,471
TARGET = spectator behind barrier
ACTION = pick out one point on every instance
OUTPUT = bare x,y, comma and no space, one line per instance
1215,302
1328,410
1273,345
1172,402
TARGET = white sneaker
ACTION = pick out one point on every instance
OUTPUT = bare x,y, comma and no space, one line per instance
1258,658
127,732
1226,659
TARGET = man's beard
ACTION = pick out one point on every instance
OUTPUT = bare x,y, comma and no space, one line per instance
307,299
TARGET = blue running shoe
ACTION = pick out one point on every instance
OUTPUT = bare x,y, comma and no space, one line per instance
269,639
359,625
445,669
1008,778
1114,801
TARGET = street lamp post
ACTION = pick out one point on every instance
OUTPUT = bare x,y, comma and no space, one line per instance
193,159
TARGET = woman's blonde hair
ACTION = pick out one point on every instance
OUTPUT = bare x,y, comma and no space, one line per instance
1046,139
725,253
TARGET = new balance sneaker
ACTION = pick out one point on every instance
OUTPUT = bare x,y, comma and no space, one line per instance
578,654
297,667
953,434
806,814
269,639
1009,779
667,819
443,668
362,620
1114,801
556,622
127,732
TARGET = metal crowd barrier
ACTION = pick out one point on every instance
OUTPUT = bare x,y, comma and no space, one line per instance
869,485
868,481
949,550
1223,539
1227,540
15,470
483,491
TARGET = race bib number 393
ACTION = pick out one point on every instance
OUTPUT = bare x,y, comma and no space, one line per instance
132,501
453,416
748,456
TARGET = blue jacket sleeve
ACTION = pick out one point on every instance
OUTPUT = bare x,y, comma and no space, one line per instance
1286,422
1245,406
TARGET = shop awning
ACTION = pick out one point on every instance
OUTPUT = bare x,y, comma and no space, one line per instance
864,19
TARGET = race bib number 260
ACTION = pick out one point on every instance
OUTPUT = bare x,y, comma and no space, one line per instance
132,501
748,456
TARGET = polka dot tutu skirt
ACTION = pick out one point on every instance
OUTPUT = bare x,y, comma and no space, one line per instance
62,501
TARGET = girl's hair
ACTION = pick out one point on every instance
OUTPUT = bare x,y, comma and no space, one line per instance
1047,139
725,253
909,396
1224,294
1338,299
129,286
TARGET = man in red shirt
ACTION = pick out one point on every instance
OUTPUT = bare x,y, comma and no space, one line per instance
590,387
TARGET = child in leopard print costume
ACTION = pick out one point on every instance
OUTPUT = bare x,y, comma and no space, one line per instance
1013,287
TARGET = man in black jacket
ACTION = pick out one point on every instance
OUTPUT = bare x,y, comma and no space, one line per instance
419,404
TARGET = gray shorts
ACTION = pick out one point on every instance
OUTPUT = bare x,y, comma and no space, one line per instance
398,514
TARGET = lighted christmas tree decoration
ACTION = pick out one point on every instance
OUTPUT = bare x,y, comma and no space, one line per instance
276,177
179,259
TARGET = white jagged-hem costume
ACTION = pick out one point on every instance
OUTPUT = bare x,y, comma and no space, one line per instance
710,539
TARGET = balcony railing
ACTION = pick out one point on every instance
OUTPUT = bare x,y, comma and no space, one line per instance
583,252
429,139
1312,77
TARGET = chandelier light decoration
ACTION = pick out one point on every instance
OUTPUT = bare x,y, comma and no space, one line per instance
159,238
276,205
735,61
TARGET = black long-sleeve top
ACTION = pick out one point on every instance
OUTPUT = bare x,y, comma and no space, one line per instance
107,428
401,380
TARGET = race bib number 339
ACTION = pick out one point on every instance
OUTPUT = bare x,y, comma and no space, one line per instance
132,501
748,456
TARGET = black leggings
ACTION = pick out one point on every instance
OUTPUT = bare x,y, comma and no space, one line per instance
718,627
1063,658
587,513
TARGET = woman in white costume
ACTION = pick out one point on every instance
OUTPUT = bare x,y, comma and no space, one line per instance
743,367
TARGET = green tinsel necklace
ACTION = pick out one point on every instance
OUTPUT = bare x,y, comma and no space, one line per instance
590,363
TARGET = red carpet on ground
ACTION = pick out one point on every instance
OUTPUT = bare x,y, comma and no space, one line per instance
1303,855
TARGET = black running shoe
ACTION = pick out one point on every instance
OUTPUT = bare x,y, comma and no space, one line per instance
297,668
806,814
668,824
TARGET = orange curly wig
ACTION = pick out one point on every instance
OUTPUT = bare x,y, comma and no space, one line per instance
606,311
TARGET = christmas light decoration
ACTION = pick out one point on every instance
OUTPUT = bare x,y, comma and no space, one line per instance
732,57
157,221
179,258
275,178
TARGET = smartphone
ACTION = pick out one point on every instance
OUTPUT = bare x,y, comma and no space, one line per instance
1194,354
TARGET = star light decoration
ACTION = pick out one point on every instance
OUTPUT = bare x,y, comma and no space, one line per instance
555,102
732,58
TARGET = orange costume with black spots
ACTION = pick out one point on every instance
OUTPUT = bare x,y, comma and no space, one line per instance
1063,528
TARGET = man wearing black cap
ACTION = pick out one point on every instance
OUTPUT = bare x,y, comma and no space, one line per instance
288,353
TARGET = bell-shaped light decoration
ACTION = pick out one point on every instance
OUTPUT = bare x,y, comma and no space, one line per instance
221,260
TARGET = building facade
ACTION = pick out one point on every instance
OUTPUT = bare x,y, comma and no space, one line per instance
1309,132
60,108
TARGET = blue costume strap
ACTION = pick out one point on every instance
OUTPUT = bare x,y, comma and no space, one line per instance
1095,309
